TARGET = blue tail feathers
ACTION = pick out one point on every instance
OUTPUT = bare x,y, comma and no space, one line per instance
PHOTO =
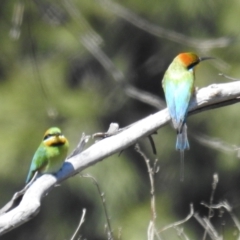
182,139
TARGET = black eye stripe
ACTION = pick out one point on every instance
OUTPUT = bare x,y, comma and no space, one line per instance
193,65
51,134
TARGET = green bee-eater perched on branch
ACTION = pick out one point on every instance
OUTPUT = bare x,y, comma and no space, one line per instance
51,153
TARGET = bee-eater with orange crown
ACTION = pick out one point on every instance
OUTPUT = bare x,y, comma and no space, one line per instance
50,155
178,86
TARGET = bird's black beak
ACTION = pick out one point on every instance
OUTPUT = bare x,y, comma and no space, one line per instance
205,58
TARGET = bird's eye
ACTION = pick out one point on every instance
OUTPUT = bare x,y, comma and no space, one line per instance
51,135
47,136
191,66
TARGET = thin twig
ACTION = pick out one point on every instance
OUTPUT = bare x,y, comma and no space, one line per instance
210,210
109,231
17,18
119,233
151,172
211,229
150,232
51,110
234,218
145,97
80,224
112,130
226,205
181,233
216,143
228,77
80,147
82,24
208,226
158,31
181,221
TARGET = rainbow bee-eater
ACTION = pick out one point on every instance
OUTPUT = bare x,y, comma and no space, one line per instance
178,85
50,154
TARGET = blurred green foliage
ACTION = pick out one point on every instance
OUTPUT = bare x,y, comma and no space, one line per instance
51,73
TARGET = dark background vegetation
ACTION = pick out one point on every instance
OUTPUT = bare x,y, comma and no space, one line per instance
51,74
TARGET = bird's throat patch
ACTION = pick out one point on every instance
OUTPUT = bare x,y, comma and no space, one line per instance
55,141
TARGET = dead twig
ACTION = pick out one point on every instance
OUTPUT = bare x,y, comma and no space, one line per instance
101,194
151,171
173,225
80,224
210,211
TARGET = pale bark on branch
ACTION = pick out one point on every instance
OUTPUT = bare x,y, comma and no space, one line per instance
213,96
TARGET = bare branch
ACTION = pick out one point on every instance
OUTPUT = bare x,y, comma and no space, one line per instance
101,194
217,144
228,77
210,210
112,130
158,31
213,96
226,205
181,233
151,172
17,18
145,97
173,225
83,140
82,24
204,222
80,223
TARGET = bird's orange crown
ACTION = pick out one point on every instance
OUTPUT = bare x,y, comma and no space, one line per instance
189,59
